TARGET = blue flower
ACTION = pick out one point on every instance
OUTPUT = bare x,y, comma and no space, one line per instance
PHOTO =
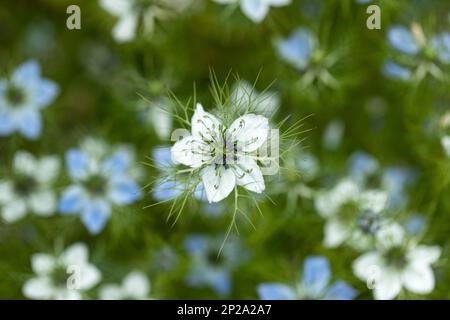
100,179
315,284
419,56
297,48
21,99
207,267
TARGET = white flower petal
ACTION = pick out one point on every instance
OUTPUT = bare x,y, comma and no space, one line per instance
218,182
336,233
388,285
249,131
14,210
390,235
374,200
90,276
42,263
76,254
136,285
125,28
117,7
418,279
24,163
47,169
111,292
205,126
38,288
191,152
248,174
424,255
43,203
364,265
255,10
6,191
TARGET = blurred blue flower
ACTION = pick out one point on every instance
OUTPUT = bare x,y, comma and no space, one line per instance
394,181
415,224
207,267
362,165
297,48
315,284
421,56
21,99
100,179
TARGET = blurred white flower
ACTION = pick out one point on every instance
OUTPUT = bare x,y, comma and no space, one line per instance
352,214
30,188
246,99
256,10
135,286
63,277
400,264
129,13
225,156
332,135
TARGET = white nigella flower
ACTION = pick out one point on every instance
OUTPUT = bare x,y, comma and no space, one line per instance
225,157
129,12
397,264
135,286
352,215
29,188
22,97
256,10
63,277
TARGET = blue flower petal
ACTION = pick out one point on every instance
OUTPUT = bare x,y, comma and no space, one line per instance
340,291
72,200
362,165
118,162
166,190
28,72
6,124
77,163
195,243
402,39
297,48
221,282
95,214
316,275
29,123
441,44
415,224
162,156
396,71
124,190
44,92
275,291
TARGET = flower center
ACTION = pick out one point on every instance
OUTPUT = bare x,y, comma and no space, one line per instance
24,185
349,212
96,184
60,276
396,257
15,96
213,259
368,222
